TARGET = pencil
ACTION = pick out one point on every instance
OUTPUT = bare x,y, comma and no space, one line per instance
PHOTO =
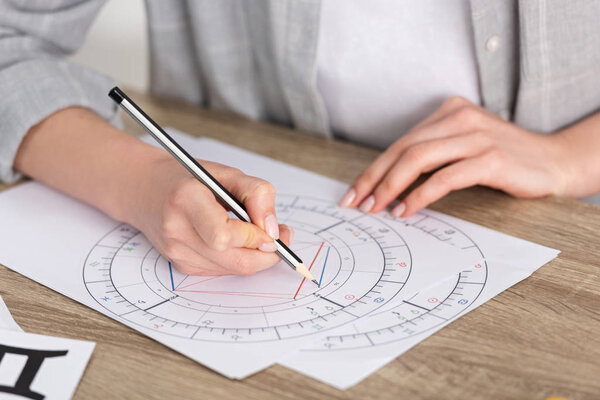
190,163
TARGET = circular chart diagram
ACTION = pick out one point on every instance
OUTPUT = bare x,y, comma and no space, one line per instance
425,310
360,260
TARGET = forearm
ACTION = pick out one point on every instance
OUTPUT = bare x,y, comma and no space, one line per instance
581,156
78,153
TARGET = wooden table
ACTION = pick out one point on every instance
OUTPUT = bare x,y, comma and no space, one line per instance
538,339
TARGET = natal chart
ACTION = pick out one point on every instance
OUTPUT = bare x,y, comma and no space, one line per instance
360,261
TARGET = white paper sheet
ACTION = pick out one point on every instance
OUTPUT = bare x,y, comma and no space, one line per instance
6,320
498,261
35,364
234,325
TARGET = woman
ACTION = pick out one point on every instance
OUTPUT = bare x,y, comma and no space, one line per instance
481,81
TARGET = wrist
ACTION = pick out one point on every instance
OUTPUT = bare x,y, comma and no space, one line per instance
571,162
131,188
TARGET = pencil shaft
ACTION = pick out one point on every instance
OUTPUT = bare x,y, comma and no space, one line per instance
199,172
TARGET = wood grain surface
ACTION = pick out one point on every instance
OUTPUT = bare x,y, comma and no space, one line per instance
538,339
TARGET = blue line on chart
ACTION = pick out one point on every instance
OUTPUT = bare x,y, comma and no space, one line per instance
171,273
179,284
324,264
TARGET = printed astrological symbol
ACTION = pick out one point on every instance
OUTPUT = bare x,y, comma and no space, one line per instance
432,300
35,358
378,300
207,322
158,326
449,232
93,264
463,301
477,265
328,345
401,264
399,316
383,230
105,298
236,337
317,327
349,297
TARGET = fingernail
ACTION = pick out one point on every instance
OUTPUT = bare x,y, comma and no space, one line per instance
367,204
398,210
291,233
348,198
269,247
271,226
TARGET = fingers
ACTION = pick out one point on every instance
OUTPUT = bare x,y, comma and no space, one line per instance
420,158
455,117
200,259
259,198
457,176
211,222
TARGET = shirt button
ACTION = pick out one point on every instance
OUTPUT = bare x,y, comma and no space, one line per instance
492,43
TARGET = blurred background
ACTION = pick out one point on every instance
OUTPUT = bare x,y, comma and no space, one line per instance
120,29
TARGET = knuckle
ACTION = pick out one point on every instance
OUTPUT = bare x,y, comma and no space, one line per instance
173,251
468,115
226,172
234,171
388,185
443,179
366,178
263,188
416,153
168,227
456,101
418,196
495,159
219,239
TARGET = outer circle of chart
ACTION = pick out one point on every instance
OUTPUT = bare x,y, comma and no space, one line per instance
451,298
126,276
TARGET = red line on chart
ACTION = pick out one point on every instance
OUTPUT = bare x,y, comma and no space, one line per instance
231,292
234,294
311,264
195,283
306,247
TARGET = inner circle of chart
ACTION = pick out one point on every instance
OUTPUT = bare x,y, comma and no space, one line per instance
306,244
360,261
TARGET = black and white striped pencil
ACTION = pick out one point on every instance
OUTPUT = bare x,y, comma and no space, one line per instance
202,175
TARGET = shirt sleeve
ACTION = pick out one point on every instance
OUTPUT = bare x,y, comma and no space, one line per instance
35,78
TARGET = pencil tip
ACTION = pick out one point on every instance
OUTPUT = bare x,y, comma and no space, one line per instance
316,283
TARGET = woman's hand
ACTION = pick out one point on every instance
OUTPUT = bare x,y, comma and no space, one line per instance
75,151
185,222
467,145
